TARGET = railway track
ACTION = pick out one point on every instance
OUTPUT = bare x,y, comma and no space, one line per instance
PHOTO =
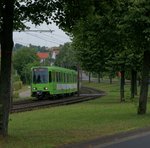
28,105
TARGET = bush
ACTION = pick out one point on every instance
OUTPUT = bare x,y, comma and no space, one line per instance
16,78
17,85
15,94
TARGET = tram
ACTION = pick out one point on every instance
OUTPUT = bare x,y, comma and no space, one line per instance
50,81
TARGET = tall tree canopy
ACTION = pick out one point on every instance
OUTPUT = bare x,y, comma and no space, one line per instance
124,27
66,57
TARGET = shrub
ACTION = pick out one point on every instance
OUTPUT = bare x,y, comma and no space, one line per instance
15,94
17,85
16,78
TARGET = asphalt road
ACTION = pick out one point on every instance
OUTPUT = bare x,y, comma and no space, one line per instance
136,141
138,138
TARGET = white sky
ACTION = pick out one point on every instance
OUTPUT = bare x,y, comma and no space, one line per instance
48,39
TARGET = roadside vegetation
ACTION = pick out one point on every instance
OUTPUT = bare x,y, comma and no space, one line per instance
57,126
22,94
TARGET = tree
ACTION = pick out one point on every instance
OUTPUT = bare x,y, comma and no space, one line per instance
21,61
18,46
6,40
88,46
137,26
13,14
66,57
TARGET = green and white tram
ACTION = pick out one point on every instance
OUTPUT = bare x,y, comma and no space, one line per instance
50,81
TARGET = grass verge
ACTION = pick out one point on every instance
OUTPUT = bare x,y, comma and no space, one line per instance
52,127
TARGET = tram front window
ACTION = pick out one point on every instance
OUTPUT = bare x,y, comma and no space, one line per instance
40,75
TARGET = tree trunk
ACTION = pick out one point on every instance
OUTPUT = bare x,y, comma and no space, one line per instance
133,83
110,79
6,56
89,77
80,74
99,79
144,83
122,81
139,80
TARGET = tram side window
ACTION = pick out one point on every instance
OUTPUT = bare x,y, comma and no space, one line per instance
57,76
50,76
71,78
64,78
53,76
67,78
75,78
61,77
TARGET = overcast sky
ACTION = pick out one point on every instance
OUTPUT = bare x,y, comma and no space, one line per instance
48,39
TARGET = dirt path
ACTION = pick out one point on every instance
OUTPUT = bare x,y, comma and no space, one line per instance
25,94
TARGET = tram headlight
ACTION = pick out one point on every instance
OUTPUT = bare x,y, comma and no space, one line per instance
34,88
45,88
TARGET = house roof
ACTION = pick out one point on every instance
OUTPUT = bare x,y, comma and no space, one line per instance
43,55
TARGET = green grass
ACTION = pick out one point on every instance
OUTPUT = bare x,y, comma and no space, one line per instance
56,126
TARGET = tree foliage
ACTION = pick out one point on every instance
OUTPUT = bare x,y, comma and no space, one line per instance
122,29
23,60
66,57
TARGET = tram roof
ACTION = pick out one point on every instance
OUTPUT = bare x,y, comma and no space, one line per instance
56,68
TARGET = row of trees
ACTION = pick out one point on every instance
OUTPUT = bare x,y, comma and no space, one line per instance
112,36
18,46
105,46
